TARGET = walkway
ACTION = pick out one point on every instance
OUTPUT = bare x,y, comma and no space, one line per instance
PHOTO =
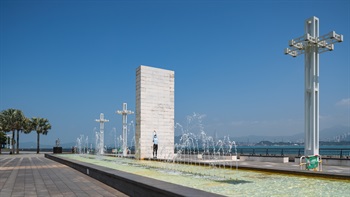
34,175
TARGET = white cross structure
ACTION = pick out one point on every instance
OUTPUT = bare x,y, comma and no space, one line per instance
102,121
125,113
311,44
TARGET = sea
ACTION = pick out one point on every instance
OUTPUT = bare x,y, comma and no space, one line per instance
342,151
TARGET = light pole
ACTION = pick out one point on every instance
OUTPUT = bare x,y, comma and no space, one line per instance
125,113
311,44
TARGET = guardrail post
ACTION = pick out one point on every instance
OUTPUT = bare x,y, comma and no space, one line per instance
341,153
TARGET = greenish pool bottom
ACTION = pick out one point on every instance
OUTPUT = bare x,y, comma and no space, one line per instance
225,181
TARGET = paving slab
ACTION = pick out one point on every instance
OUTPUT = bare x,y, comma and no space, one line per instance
27,175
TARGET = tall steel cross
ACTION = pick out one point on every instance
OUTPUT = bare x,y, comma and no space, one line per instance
311,44
125,113
102,121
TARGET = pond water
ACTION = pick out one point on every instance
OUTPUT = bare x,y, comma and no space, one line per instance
225,181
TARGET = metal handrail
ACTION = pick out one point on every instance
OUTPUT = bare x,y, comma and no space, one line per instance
341,152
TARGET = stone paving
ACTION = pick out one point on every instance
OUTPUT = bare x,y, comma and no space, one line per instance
34,175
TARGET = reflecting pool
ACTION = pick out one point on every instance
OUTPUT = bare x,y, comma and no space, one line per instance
224,180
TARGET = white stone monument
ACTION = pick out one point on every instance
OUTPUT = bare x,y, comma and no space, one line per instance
154,112
311,44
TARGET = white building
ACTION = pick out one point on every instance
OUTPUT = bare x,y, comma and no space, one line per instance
154,111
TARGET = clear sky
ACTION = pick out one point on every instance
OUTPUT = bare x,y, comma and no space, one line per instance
69,61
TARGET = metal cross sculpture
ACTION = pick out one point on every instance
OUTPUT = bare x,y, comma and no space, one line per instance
311,44
125,113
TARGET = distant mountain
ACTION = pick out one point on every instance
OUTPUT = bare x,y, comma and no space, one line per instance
33,145
255,139
333,134
337,134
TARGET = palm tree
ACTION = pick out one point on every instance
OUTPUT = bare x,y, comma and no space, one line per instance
41,126
19,125
2,130
3,139
28,126
8,119
12,120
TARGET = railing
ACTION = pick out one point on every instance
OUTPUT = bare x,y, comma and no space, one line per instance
328,152
259,151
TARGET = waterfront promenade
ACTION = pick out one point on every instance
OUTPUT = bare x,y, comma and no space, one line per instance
34,175
31,175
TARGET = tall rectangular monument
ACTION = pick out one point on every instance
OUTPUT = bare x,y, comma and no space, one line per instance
154,112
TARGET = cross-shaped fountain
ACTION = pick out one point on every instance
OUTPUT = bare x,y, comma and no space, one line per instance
102,121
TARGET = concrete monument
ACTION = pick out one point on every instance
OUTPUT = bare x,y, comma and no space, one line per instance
154,112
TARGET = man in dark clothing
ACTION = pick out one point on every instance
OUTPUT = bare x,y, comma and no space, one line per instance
155,144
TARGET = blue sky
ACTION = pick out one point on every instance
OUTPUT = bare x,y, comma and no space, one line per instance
68,61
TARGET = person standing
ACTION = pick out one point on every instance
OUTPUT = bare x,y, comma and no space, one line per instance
155,144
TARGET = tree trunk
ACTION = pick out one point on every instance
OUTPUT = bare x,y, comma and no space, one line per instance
17,143
13,142
37,146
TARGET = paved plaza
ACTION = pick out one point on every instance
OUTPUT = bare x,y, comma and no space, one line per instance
32,175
